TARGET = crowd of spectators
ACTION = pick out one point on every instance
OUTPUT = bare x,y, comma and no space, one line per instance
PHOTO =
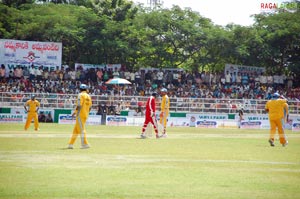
178,82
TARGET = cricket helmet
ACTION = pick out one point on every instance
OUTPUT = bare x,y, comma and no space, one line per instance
164,90
275,95
83,86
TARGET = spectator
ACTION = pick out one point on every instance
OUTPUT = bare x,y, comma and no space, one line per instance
255,90
227,78
44,102
102,110
49,118
2,72
270,80
245,79
263,79
45,74
99,74
139,109
105,76
239,78
42,117
39,73
32,73
116,73
118,109
137,77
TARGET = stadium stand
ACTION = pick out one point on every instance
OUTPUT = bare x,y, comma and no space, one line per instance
191,92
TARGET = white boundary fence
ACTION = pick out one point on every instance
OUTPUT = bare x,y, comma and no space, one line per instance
184,112
132,103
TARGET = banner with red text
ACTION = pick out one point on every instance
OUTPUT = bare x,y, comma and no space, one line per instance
26,53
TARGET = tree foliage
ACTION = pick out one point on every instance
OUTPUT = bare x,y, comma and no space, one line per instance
119,31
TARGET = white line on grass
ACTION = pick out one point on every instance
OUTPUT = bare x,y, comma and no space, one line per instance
172,136
41,160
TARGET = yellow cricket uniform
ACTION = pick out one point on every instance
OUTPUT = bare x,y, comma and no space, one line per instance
276,113
32,113
83,106
285,112
164,108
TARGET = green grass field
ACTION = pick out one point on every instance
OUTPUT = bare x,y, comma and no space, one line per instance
191,163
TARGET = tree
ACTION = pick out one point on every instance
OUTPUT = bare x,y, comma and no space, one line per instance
280,33
16,3
169,38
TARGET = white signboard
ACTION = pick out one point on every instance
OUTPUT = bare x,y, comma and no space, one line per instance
11,118
26,53
231,68
97,66
295,124
68,119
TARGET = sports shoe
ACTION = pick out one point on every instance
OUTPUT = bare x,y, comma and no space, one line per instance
164,135
85,146
37,129
271,142
143,136
70,146
157,136
285,144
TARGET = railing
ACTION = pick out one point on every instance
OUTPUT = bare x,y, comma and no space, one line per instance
193,105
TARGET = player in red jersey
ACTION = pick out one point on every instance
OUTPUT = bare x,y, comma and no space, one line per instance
150,115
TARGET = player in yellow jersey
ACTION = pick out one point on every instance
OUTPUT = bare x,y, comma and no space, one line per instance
32,107
285,113
275,108
164,110
82,110
285,117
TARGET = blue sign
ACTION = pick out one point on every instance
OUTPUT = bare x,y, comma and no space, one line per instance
207,124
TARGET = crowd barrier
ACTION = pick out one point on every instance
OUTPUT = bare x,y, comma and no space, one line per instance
137,103
197,120
129,110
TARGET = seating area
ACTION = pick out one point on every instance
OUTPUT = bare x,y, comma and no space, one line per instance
193,92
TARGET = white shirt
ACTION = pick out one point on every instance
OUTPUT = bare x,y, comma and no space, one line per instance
160,75
228,78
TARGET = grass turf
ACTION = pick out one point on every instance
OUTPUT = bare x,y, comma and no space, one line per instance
191,163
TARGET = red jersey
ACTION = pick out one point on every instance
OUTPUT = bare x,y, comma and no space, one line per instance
150,105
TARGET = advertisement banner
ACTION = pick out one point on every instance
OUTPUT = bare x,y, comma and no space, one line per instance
264,121
135,121
231,68
26,53
46,111
68,119
295,123
207,124
250,124
254,121
98,66
112,120
94,120
206,120
178,121
296,126
11,118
